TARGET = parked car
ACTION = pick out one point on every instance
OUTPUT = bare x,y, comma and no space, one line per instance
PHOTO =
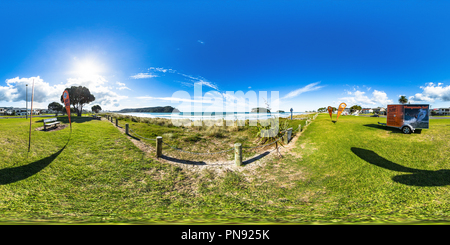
375,115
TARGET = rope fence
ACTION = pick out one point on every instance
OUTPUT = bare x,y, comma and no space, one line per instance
237,147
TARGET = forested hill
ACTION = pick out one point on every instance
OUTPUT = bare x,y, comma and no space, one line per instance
168,109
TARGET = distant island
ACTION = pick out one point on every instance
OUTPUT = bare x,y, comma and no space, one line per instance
167,109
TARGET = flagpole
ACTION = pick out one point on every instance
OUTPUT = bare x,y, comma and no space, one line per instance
31,116
26,102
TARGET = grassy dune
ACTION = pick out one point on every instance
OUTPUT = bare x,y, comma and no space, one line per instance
200,139
349,171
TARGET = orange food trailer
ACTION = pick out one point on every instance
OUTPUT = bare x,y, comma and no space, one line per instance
408,117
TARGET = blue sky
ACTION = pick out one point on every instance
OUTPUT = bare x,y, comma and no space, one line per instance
140,53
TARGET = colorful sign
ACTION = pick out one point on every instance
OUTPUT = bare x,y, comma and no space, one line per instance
67,104
395,115
340,109
416,116
330,111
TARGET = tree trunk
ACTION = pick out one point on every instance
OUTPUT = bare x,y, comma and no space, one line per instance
81,110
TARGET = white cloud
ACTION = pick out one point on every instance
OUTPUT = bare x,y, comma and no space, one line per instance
208,84
359,98
432,92
192,79
307,88
200,41
44,93
143,75
160,69
122,86
380,97
97,86
15,90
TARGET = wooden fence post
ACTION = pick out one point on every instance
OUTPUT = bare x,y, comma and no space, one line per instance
158,146
238,154
117,122
289,135
127,129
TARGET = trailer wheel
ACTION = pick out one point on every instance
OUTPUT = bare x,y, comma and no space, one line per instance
406,130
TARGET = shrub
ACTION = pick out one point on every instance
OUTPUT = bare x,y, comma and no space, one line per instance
215,131
194,138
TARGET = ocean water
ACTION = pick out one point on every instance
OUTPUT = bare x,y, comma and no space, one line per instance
213,116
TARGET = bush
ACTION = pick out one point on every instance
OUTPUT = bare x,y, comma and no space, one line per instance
194,138
215,131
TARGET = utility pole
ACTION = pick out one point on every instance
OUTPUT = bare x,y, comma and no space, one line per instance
26,102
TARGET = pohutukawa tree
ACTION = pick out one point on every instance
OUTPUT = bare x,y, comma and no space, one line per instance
96,108
57,107
79,96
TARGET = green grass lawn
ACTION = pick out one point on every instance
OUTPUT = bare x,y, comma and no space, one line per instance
367,172
349,171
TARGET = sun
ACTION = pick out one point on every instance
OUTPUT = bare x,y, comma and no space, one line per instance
87,68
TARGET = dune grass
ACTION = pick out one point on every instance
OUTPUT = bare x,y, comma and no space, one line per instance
210,137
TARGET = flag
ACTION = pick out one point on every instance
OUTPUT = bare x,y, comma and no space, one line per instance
330,111
67,104
340,109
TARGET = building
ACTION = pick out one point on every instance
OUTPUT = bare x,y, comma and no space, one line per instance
366,111
379,111
21,111
443,111
3,111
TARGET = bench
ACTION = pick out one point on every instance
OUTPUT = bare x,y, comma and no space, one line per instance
96,117
50,122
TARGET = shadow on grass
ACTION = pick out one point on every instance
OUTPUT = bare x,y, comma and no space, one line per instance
171,159
386,128
11,175
255,158
417,177
248,161
76,119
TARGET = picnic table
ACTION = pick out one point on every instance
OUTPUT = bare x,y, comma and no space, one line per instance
50,122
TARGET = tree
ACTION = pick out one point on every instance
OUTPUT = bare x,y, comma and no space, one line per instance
355,108
78,97
96,108
55,106
403,99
